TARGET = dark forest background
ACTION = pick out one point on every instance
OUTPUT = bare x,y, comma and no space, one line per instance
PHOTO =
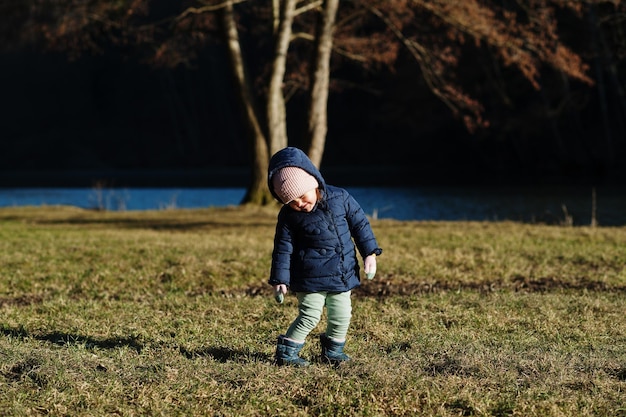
107,118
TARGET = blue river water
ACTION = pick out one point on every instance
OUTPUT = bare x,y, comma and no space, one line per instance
552,205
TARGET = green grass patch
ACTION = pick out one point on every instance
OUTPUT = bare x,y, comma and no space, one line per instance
168,313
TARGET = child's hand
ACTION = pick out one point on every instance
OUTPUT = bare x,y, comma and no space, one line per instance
370,266
279,293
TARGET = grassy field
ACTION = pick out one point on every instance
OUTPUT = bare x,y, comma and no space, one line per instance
167,313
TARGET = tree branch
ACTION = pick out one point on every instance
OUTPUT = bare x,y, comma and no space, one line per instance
308,7
207,8
422,57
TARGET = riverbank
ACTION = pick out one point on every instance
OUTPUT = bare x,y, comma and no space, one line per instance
572,205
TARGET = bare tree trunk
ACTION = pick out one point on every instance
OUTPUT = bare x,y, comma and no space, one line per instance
276,112
257,192
275,15
318,106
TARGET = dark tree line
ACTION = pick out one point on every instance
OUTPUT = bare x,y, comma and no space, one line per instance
533,87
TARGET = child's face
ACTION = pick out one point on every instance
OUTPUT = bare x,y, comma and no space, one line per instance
306,202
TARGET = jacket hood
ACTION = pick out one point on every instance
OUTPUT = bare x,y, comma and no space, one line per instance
292,157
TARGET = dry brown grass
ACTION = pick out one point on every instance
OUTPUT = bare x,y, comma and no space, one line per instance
168,313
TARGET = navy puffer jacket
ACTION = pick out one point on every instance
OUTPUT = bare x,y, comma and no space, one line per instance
315,251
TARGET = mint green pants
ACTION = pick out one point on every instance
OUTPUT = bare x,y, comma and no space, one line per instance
310,307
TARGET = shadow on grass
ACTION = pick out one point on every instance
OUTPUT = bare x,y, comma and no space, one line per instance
224,354
20,300
224,218
220,354
386,286
154,224
62,339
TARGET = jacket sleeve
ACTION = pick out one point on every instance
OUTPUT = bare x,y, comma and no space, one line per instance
281,255
360,228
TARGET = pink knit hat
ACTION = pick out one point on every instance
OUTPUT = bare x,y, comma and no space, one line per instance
292,182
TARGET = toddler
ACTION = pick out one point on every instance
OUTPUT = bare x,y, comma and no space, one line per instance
318,232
